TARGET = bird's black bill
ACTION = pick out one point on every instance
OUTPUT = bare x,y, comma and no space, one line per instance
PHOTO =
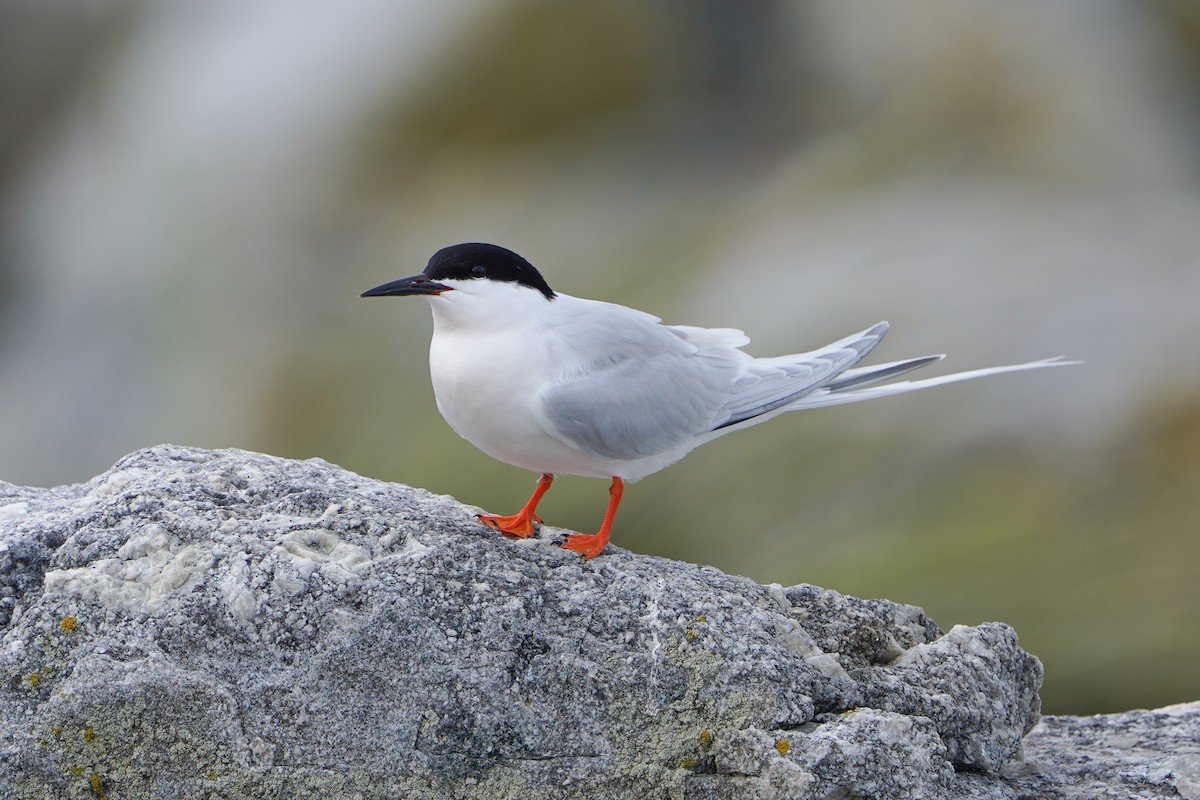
417,284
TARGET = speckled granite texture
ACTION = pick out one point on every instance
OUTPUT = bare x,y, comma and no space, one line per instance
226,624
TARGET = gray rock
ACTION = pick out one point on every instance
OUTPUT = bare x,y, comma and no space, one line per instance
1137,754
227,624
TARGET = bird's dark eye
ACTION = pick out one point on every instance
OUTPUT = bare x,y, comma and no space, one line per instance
479,270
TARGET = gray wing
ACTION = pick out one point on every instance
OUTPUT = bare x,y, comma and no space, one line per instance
636,388
771,383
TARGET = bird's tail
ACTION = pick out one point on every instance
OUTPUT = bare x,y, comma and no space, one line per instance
863,383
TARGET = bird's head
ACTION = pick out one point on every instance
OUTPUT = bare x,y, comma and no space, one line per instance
484,272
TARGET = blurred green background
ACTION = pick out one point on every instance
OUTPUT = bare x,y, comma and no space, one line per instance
192,195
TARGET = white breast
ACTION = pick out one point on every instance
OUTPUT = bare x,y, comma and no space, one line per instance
488,373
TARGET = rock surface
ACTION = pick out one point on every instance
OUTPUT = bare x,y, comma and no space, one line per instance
1138,754
226,624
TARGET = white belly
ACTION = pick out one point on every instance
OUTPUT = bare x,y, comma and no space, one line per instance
484,390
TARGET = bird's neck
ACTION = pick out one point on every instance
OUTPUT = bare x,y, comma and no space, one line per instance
485,314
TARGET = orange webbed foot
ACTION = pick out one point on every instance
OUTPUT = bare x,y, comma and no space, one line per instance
519,526
523,524
588,545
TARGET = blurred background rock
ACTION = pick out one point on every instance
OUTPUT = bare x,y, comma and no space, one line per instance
192,195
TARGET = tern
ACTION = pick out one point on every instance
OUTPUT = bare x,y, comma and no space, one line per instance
558,385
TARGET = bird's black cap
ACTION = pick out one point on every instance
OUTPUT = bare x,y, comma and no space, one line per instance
487,261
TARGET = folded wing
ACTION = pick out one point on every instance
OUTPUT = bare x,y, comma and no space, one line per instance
772,383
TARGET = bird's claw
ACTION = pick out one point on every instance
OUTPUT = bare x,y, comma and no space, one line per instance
588,545
520,526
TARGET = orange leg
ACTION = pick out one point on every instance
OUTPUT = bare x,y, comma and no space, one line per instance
591,545
521,523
